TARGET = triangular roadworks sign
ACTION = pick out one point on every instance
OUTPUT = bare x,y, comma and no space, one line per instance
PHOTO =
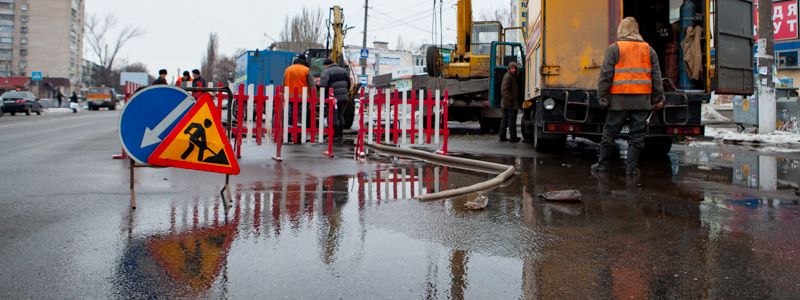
197,142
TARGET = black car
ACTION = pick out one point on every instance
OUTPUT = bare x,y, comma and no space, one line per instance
21,101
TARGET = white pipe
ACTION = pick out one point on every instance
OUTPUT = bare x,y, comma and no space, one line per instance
506,172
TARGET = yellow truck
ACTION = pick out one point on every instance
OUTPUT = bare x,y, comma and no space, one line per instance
566,42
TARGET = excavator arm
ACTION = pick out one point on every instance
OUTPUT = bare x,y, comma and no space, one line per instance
337,24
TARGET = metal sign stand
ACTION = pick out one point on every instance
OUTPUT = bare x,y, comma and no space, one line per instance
225,189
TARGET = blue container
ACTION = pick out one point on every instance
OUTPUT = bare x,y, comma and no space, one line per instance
688,19
262,67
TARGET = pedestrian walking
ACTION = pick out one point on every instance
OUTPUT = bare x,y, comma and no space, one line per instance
73,102
162,77
185,79
510,104
336,78
630,88
296,77
60,97
198,81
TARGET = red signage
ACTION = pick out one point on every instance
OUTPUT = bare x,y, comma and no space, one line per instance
784,19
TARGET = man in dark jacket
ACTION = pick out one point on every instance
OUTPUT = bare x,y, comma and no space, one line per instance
198,80
630,87
162,77
510,104
336,78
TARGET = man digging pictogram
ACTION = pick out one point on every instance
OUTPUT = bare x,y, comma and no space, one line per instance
197,138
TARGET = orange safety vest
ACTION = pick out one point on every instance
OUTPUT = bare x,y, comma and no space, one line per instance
296,76
633,71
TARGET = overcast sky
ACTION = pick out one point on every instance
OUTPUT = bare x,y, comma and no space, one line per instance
176,31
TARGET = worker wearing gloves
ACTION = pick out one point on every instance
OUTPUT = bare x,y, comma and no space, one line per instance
629,87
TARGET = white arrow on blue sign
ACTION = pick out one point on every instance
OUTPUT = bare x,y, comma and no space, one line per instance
149,116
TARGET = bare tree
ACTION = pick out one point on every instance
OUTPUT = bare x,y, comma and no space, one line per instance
405,46
302,31
105,43
507,16
208,65
225,69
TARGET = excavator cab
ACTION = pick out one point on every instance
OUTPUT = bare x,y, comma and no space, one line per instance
470,59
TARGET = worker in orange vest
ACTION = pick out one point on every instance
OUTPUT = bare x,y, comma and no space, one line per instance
185,78
296,77
630,88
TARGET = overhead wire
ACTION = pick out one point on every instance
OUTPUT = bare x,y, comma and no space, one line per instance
403,22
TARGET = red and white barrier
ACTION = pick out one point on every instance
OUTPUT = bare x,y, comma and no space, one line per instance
402,121
303,106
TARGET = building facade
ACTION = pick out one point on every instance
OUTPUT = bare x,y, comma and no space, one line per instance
42,36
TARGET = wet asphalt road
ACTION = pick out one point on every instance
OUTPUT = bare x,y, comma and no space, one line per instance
709,221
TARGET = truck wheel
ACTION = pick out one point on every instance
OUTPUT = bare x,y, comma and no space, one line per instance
542,144
433,61
657,147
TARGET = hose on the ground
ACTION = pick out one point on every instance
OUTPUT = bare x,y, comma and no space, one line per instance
506,172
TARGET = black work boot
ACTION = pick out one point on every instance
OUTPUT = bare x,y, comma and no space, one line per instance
602,164
632,163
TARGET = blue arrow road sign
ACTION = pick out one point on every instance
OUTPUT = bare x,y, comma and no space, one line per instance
36,76
149,116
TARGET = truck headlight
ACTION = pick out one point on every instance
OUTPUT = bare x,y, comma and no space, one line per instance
549,104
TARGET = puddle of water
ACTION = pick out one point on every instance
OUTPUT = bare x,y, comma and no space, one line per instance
674,232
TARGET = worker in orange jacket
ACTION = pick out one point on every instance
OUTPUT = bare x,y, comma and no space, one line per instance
630,88
185,78
296,77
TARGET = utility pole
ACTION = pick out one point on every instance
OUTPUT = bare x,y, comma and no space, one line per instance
363,61
766,63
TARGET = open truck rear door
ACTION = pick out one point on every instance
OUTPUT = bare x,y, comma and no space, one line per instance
734,47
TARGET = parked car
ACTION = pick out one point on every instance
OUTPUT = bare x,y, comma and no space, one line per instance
101,97
21,101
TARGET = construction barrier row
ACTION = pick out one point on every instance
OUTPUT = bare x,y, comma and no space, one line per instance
278,114
403,118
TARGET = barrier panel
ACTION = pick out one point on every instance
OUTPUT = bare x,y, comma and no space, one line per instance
129,90
282,115
402,120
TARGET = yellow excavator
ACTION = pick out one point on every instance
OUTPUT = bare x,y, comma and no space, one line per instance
335,51
471,56
471,71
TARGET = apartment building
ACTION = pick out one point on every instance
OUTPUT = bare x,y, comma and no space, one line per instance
42,36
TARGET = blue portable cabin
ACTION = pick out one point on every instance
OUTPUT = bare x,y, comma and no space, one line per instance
262,67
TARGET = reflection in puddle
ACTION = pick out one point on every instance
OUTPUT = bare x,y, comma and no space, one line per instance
361,236
742,169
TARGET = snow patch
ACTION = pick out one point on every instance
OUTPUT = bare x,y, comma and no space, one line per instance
711,114
57,110
775,138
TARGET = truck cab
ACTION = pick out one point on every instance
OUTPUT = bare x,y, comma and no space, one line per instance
101,97
566,43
